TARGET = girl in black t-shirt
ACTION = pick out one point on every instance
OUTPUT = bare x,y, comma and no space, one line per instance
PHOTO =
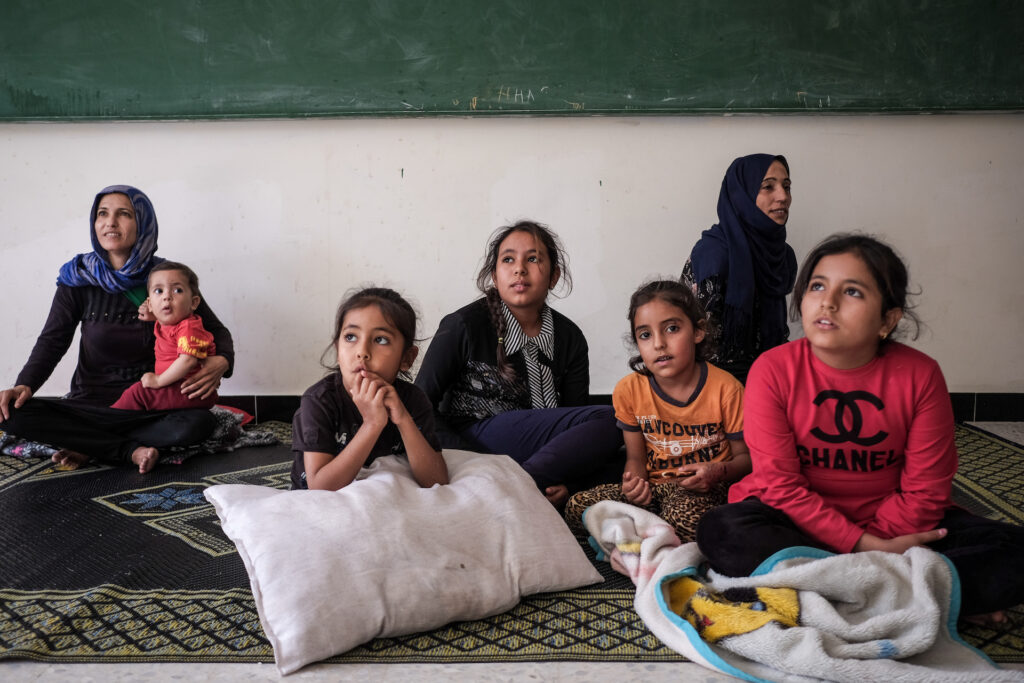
365,409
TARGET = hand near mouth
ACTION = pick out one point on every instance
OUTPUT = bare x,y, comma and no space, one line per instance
397,412
368,392
371,375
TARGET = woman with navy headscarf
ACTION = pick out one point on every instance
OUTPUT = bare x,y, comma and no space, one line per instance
741,269
103,291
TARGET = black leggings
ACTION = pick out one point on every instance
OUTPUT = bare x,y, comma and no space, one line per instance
988,555
106,434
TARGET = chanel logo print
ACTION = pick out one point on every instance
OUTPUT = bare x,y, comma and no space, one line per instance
849,404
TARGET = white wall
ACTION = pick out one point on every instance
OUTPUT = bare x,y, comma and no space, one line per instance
279,218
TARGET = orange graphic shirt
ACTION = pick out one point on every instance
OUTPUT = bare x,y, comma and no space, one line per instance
678,434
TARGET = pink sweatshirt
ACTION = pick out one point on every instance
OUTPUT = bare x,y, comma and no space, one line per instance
842,452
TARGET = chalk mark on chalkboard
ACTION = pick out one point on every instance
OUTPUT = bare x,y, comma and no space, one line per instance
517,96
195,34
801,97
576,106
411,106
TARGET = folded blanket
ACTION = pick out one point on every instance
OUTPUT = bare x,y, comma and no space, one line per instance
805,614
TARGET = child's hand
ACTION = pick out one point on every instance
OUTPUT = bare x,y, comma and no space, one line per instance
150,380
705,476
396,409
898,544
397,412
146,313
636,489
368,395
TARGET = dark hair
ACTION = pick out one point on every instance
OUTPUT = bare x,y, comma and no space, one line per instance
885,265
395,309
485,283
190,275
675,294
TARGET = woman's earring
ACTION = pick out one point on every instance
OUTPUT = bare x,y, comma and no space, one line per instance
884,335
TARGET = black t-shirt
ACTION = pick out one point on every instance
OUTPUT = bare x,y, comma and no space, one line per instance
327,419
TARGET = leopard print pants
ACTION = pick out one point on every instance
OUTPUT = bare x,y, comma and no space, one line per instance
678,506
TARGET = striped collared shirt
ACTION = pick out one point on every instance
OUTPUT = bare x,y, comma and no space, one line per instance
538,353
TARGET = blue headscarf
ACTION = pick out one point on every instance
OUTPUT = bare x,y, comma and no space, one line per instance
94,268
748,251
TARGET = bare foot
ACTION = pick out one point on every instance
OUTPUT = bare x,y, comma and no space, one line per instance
145,458
69,460
557,495
993,620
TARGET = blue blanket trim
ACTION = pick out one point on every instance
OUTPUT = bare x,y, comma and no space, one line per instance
691,633
593,541
796,551
597,549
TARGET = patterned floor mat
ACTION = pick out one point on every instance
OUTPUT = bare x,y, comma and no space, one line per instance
106,565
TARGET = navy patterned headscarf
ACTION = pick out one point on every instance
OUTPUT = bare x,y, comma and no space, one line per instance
94,268
748,251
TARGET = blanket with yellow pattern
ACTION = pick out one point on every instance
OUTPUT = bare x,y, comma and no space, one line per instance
806,614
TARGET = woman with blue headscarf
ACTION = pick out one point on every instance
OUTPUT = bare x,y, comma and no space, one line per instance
741,269
103,291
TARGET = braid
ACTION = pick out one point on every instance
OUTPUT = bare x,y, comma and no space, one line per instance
494,307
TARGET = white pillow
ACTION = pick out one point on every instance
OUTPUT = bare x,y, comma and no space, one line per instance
331,570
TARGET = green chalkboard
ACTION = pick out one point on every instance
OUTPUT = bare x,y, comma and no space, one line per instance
184,59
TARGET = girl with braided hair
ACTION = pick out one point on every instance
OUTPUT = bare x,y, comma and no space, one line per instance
508,374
